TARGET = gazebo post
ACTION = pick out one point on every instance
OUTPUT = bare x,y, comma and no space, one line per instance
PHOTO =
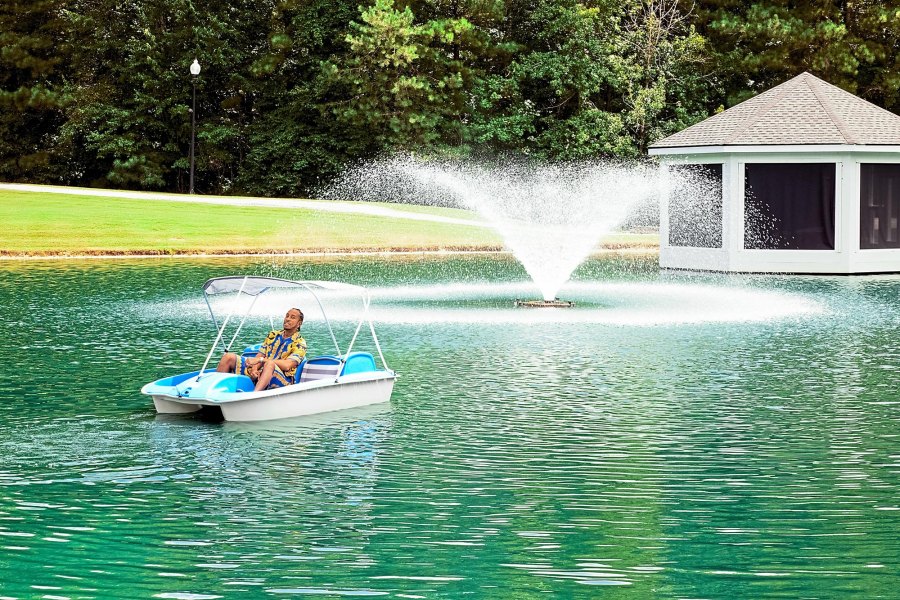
850,194
664,194
732,207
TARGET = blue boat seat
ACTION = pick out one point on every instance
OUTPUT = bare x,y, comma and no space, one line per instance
358,362
251,351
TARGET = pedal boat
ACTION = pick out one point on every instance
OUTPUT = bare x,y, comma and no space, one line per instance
346,379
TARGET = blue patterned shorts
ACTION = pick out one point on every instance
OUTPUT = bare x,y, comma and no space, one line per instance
279,379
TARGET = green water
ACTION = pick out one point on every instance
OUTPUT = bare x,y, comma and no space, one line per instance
672,436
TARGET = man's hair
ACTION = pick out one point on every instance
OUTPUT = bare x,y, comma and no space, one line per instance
299,311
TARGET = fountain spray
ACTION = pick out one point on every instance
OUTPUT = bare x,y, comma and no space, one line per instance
551,216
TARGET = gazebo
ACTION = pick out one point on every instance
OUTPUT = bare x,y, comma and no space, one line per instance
803,178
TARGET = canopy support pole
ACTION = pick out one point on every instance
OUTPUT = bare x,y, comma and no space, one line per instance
221,331
244,320
325,316
378,346
367,301
212,315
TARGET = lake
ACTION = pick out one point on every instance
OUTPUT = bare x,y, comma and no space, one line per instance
674,435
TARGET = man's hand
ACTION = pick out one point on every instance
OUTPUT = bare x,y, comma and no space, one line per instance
254,367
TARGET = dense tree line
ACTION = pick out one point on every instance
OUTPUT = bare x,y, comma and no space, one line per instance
98,93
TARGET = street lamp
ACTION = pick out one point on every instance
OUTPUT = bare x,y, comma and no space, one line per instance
195,70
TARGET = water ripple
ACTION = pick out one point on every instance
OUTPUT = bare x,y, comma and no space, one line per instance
521,457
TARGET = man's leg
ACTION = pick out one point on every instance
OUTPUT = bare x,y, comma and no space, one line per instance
271,376
265,376
228,363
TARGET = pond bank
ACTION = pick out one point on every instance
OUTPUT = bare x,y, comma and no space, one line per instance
41,255
40,223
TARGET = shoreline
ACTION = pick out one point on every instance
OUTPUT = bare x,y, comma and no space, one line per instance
316,252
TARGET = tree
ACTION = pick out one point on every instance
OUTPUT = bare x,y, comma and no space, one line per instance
397,79
556,95
593,79
665,59
97,92
295,142
875,26
32,54
130,116
850,43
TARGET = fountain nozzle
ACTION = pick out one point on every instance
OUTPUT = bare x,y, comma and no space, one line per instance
555,303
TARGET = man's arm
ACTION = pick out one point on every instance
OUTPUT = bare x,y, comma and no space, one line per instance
297,352
264,348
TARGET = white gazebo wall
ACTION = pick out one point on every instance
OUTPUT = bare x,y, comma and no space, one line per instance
881,260
687,257
846,256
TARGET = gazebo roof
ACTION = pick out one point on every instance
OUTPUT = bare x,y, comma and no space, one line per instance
803,110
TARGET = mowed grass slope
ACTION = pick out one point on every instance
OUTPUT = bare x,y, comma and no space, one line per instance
34,223
40,223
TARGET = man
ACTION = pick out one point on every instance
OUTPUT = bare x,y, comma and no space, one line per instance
277,359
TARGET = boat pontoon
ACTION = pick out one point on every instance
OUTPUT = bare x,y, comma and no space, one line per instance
345,379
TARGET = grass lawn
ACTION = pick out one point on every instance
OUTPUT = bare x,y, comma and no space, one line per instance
36,223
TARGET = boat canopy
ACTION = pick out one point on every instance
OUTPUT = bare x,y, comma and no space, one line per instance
254,286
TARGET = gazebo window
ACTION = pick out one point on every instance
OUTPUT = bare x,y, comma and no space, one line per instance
789,206
695,206
879,206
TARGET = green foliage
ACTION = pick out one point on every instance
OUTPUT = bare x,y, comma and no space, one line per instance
97,92
554,96
851,43
294,141
664,65
593,79
31,95
131,112
404,82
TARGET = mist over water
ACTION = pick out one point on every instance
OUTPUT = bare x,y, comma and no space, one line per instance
614,303
551,216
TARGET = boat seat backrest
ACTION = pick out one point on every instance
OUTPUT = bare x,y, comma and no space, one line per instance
358,362
322,367
251,351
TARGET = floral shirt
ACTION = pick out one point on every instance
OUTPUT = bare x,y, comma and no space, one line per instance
279,347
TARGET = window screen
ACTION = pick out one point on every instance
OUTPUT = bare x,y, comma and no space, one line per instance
789,206
695,206
879,206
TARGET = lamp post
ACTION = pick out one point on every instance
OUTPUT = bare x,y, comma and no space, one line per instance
195,70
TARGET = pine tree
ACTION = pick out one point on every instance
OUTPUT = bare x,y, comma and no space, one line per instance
33,54
295,142
850,43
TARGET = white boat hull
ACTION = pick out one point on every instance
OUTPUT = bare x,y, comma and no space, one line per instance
313,397
165,406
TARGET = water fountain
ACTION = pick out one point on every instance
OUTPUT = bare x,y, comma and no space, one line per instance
550,216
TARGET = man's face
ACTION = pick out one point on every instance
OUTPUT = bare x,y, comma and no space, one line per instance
292,320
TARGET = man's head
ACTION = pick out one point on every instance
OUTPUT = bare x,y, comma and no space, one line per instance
293,319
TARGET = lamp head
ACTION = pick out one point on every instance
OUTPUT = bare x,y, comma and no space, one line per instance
195,68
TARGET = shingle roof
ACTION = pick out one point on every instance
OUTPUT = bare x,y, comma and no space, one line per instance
802,110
